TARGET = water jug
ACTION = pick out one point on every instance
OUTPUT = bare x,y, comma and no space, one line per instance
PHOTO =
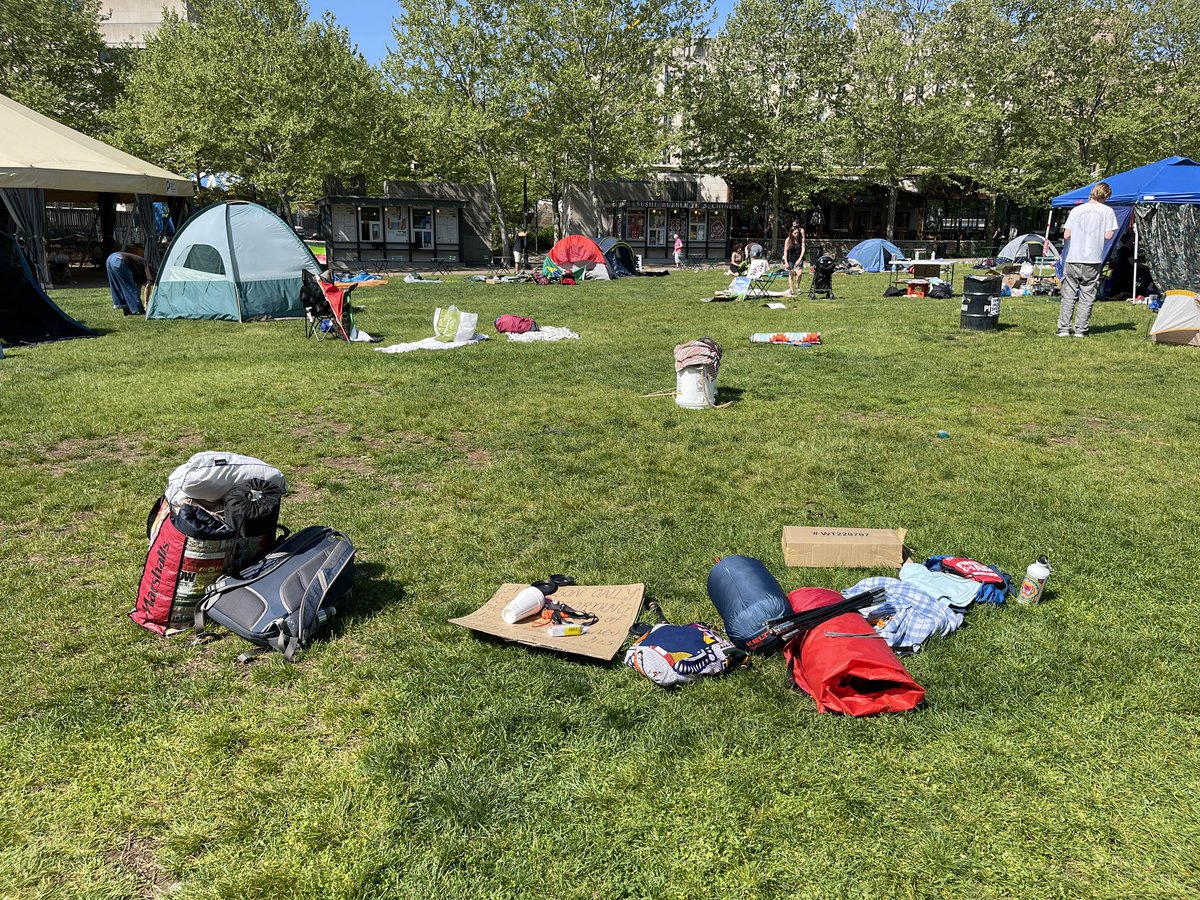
1034,585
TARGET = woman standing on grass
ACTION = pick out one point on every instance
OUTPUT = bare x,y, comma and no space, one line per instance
793,258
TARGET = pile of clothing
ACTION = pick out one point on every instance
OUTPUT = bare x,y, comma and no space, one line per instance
930,599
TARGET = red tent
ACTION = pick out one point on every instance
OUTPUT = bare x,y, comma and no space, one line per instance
576,251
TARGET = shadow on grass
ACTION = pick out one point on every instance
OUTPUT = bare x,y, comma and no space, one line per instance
1119,326
372,595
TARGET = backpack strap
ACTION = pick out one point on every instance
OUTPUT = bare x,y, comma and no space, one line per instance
319,587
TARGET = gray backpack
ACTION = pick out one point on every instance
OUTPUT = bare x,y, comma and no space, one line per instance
283,599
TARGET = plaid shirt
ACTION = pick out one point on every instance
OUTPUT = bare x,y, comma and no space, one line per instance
909,616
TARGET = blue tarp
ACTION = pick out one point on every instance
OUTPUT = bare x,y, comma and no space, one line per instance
875,254
1175,179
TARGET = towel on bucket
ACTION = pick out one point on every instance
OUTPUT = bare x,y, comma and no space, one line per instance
700,352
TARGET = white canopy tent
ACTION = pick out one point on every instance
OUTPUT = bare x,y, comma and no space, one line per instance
43,159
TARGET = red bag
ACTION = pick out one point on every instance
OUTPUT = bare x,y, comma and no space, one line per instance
188,552
858,676
510,324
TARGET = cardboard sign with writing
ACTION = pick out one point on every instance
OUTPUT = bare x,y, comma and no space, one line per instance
849,547
617,606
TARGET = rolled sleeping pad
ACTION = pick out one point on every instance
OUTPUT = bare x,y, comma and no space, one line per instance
746,595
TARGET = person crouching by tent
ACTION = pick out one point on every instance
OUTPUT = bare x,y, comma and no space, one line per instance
130,278
1088,227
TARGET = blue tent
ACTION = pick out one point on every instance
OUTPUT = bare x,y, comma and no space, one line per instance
27,314
875,254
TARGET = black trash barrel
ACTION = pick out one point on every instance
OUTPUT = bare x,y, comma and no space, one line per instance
981,302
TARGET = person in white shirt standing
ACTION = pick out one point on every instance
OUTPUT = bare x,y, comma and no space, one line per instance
1089,226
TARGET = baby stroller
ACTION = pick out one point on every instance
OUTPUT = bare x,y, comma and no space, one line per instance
822,282
327,310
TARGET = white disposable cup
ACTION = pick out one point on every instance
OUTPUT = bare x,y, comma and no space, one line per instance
530,600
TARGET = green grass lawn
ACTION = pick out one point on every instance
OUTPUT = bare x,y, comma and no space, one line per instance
406,757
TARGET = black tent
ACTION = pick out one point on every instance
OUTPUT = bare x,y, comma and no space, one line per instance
27,315
620,257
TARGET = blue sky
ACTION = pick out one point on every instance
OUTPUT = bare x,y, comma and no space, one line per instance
370,21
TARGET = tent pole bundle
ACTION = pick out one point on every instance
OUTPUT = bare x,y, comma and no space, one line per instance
788,628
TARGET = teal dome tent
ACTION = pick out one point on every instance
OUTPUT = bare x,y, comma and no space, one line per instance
233,261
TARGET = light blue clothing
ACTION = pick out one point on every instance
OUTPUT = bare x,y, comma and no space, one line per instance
910,617
123,285
947,589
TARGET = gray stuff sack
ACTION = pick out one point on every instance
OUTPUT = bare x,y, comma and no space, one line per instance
280,601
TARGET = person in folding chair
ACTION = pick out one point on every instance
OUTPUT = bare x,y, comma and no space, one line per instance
793,258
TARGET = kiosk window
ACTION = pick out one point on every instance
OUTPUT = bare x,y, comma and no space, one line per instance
370,227
422,228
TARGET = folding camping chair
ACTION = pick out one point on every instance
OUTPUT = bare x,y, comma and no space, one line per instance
327,310
761,280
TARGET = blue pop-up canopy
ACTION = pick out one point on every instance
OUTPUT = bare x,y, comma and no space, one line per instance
1175,179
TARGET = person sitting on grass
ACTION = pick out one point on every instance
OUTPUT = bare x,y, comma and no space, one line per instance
737,260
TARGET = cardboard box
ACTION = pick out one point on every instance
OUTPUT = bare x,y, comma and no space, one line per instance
617,605
848,547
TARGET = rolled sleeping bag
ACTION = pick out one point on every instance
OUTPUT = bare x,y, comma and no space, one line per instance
746,595
845,666
210,474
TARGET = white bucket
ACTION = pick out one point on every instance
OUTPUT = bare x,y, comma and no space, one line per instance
695,388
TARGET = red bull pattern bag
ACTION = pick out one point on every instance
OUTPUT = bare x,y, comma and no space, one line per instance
676,654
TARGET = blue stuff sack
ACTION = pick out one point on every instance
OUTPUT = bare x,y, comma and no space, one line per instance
747,596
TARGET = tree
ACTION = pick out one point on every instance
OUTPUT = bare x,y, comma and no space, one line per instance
767,106
891,122
1083,94
599,80
54,60
1168,46
257,90
458,62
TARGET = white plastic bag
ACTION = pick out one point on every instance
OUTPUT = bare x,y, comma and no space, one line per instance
454,325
